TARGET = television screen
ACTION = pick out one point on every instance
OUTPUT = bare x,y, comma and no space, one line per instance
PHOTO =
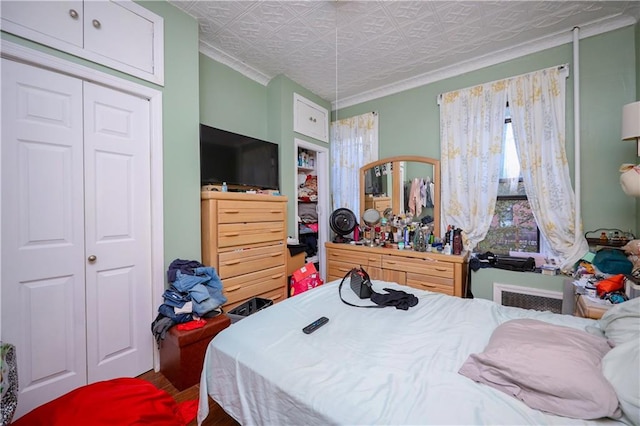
237,159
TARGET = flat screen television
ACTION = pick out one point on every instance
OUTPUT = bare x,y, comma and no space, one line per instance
237,160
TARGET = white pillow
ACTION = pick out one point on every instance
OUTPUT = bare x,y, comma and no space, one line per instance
621,366
621,323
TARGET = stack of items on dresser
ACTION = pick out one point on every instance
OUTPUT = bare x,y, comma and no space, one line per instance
610,275
195,292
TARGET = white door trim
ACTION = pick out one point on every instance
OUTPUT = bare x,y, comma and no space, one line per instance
322,168
16,52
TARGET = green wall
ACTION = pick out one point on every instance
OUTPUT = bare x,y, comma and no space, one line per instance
231,101
180,95
409,121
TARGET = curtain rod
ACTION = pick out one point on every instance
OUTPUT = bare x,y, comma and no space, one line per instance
560,67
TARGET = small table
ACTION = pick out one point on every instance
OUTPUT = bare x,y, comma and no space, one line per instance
586,308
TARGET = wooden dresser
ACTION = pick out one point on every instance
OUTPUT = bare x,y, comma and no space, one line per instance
244,238
377,203
427,271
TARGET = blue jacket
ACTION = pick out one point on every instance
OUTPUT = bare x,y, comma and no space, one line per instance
204,287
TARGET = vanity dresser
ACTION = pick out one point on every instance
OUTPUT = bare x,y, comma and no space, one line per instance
387,184
427,271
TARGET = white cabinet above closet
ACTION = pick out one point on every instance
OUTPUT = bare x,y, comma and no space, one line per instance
310,119
121,35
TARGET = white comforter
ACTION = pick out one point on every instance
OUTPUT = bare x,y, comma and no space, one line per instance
365,366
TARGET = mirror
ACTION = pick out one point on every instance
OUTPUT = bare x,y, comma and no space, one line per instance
400,184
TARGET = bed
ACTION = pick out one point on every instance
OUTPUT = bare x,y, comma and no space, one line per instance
387,366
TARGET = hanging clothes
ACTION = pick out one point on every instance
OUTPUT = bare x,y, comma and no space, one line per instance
415,206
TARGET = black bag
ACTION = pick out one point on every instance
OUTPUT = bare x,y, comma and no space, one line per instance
361,286
361,283
520,264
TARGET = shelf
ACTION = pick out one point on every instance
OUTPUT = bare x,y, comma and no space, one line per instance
306,169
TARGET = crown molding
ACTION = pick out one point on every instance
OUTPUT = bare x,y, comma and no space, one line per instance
553,40
236,64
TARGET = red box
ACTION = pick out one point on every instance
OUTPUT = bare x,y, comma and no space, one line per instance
182,352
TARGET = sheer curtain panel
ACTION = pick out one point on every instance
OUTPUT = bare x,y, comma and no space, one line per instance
354,143
537,106
471,133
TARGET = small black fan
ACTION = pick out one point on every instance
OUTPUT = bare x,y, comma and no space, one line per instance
342,222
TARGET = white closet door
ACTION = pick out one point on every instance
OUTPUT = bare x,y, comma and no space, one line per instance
118,233
43,296
75,184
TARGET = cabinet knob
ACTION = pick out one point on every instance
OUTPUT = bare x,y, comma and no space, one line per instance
96,24
312,119
73,13
92,258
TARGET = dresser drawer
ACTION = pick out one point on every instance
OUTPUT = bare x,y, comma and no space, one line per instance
431,283
253,211
355,259
418,266
243,287
238,262
277,295
240,234
337,271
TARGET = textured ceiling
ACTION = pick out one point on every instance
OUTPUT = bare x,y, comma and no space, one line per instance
350,51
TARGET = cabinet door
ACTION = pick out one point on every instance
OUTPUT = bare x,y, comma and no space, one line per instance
113,31
41,20
310,118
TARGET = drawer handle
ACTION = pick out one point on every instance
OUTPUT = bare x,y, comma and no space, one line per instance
276,254
274,211
231,211
276,230
73,13
427,285
440,269
373,260
96,24
234,288
234,234
276,276
232,262
343,269
391,262
276,297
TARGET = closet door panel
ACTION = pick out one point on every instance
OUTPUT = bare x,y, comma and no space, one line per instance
43,298
117,178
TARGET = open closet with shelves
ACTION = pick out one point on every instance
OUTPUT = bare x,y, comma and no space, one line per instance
307,199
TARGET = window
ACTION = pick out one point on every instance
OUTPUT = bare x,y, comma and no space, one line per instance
513,227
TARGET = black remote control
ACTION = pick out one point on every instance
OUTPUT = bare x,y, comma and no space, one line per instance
315,325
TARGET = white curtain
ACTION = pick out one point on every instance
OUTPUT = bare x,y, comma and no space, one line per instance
471,133
537,106
354,143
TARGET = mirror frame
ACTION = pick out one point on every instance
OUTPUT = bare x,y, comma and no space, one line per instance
397,184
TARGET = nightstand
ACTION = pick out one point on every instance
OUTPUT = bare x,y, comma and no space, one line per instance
588,309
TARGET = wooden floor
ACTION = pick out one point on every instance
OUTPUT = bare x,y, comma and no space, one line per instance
217,416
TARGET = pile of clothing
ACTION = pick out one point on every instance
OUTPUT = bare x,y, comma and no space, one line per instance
195,292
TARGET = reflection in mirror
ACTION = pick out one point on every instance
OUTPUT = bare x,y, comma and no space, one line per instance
378,187
405,185
419,191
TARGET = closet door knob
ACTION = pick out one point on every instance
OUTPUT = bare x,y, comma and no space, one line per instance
73,13
96,24
92,258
